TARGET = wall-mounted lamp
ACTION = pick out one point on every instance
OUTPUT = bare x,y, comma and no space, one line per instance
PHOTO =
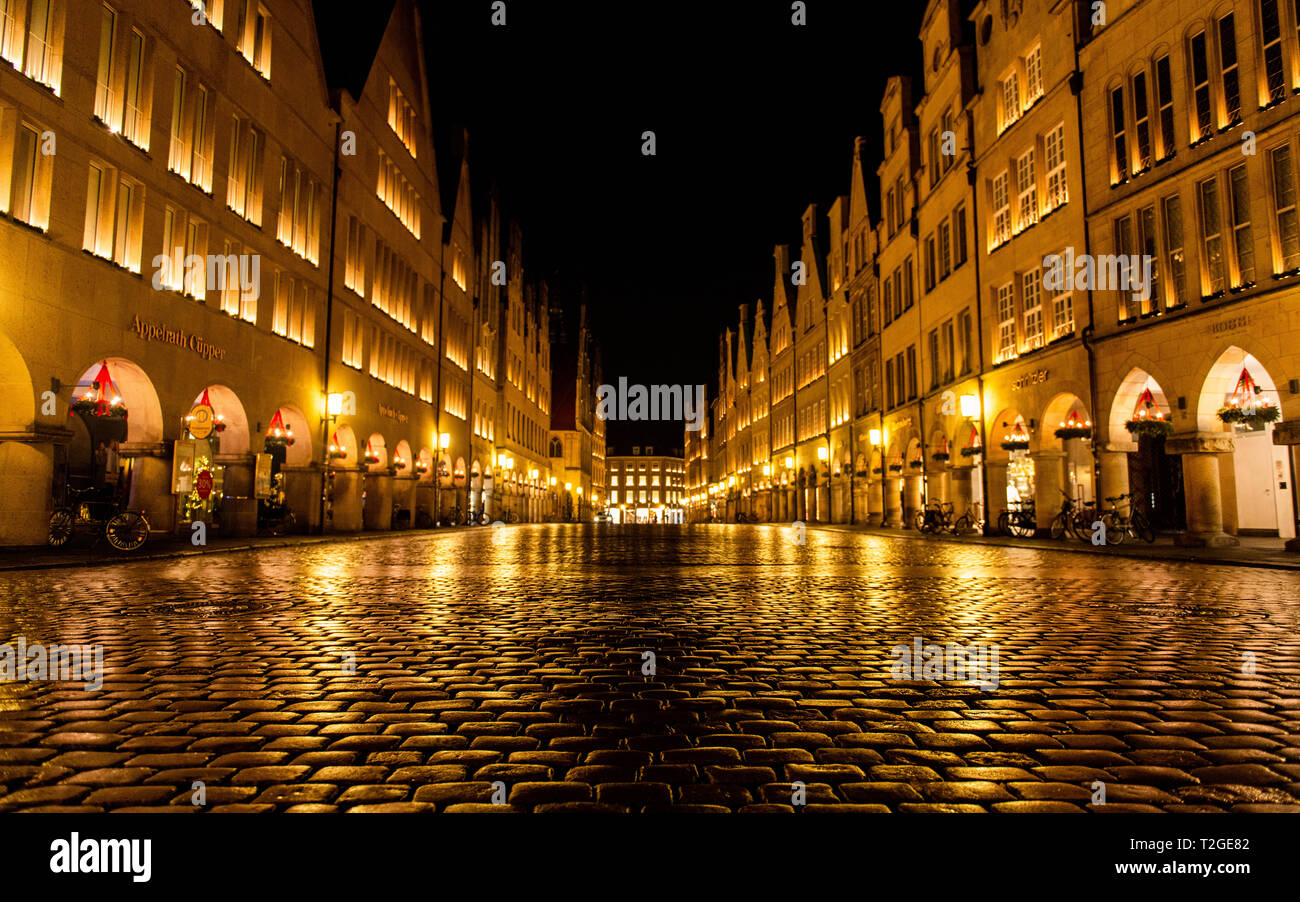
970,406
875,437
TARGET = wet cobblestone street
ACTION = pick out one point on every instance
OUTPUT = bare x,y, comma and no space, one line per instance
519,662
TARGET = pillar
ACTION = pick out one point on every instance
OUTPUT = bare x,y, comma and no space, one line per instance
1201,487
996,502
1049,482
377,510
26,485
1113,458
959,485
404,496
938,488
876,503
302,494
346,505
893,502
913,497
151,482
238,516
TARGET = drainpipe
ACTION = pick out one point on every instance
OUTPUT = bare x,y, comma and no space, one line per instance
1076,88
329,311
972,178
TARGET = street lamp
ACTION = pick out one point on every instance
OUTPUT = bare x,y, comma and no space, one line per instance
443,442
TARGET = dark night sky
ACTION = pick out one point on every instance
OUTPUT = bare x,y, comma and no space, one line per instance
754,119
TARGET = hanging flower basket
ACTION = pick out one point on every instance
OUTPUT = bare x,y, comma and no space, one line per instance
1150,427
101,400
895,468
1254,417
1243,406
421,467
338,454
1075,427
916,464
976,451
877,470
91,407
939,455
860,472
1016,444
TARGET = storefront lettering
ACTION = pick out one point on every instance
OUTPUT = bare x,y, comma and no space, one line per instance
178,337
1030,379
392,414
1229,325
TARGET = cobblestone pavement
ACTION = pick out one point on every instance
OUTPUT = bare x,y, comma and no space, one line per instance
519,663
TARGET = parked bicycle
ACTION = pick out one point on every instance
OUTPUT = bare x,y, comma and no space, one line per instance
973,519
274,518
1019,520
1066,519
1120,525
935,518
96,511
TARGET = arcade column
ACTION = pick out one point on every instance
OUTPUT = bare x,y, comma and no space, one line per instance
348,485
876,514
960,489
26,483
996,502
1201,487
893,502
377,510
1113,458
238,504
151,482
1049,481
302,491
913,496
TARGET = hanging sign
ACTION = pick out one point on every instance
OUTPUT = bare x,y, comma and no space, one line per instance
201,421
262,476
203,484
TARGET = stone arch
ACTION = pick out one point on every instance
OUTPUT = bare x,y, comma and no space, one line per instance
228,410
377,447
999,428
1130,389
1218,380
1058,409
299,454
144,419
343,446
17,399
402,458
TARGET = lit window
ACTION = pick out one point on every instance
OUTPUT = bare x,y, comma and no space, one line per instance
1026,191
1034,74
1006,306
1118,137
1211,236
1054,152
1032,292
1284,203
1242,241
1175,293
1001,198
1230,75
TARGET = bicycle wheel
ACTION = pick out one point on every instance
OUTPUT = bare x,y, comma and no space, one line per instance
1004,523
962,526
127,531
1117,528
1142,528
1059,523
918,521
61,523
1022,526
